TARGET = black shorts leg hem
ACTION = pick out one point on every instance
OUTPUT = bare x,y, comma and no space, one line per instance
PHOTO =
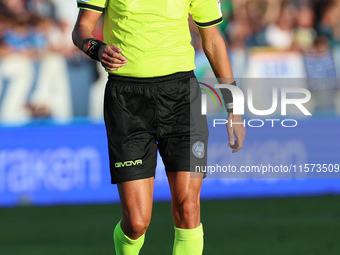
134,178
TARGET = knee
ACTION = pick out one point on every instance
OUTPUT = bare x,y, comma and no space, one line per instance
186,213
140,225
135,226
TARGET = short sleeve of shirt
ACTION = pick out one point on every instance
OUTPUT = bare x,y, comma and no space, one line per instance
206,13
92,5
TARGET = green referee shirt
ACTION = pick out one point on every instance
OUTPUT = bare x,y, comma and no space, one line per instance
154,34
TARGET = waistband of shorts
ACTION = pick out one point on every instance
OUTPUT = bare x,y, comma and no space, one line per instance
150,80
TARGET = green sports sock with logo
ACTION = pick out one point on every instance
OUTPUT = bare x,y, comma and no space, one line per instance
125,245
188,241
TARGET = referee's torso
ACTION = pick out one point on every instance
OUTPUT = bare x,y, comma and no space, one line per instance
153,34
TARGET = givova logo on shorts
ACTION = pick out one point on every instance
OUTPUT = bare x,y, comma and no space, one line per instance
129,163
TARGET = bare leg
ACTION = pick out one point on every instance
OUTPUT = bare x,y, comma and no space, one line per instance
136,199
185,193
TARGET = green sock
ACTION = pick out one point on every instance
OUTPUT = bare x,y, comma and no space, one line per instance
188,241
125,245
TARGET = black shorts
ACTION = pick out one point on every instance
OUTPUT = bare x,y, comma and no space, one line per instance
145,114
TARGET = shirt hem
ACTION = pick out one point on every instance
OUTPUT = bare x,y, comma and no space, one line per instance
90,7
209,23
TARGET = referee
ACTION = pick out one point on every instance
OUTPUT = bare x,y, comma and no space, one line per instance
149,105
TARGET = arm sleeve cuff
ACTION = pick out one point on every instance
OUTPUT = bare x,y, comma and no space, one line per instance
90,7
210,23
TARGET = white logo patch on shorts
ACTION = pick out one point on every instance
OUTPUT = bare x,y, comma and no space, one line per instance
198,149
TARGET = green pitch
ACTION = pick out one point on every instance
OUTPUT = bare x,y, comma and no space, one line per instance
287,226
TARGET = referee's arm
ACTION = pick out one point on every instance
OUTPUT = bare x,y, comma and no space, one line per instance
108,55
216,52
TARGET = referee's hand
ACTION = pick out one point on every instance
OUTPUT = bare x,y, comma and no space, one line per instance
235,126
111,58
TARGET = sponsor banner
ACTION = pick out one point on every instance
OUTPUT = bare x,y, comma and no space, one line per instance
46,163
275,161
51,163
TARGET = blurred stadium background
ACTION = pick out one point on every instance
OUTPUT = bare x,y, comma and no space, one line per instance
53,145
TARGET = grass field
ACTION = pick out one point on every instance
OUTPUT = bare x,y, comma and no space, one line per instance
306,226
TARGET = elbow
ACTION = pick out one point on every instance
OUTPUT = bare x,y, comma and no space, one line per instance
74,36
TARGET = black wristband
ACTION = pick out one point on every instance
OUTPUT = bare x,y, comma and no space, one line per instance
228,98
91,47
